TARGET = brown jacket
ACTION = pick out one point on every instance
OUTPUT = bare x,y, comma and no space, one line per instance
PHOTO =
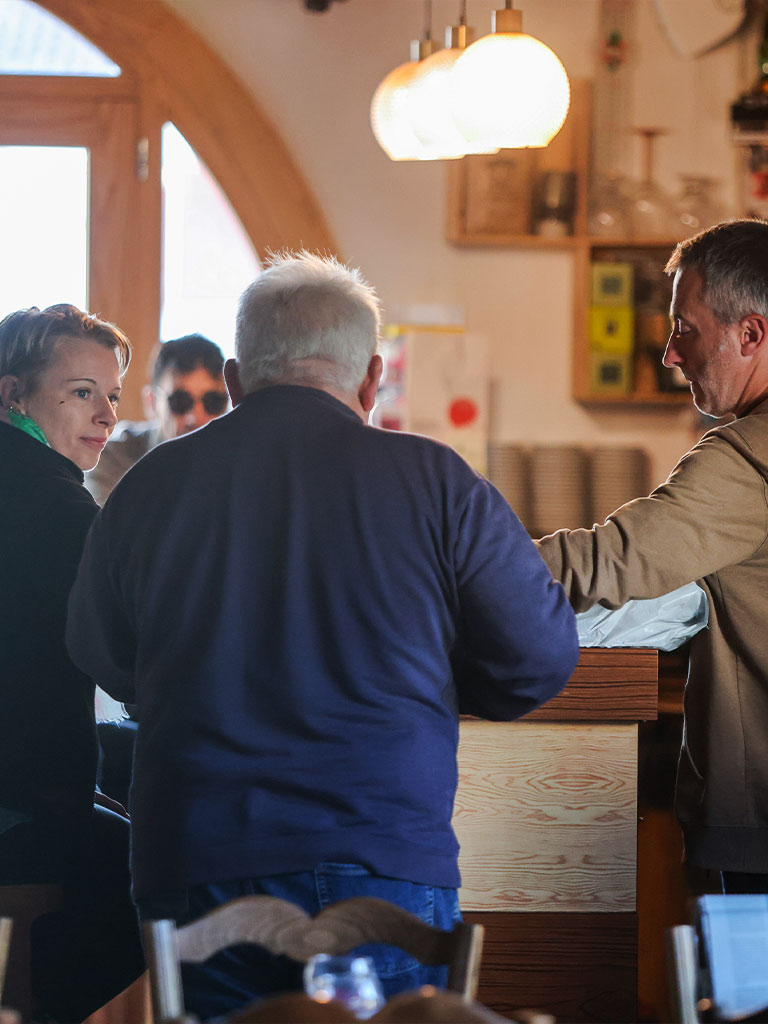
708,522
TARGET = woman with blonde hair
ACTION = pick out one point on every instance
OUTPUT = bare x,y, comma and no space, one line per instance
60,382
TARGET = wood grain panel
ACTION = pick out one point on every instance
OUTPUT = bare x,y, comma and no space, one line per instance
618,684
578,967
546,816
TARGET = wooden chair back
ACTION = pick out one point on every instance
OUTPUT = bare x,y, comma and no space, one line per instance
282,928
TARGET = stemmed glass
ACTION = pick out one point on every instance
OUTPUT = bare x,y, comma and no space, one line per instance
652,213
352,980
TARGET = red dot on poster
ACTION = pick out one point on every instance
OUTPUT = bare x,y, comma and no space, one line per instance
462,412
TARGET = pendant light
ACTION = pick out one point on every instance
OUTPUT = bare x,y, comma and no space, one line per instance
510,90
430,98
390,106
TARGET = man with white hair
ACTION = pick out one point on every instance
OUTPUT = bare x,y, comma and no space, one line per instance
301,604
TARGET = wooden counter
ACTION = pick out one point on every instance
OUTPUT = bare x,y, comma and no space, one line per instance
546,814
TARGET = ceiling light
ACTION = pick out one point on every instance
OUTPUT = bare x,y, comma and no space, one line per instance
430,99
510,91
390,106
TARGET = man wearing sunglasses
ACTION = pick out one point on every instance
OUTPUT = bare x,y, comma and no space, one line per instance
187,391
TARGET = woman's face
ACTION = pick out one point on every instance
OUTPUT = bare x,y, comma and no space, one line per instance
76,398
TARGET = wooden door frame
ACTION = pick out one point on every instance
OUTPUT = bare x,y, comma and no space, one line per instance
169,74
184,81
124,226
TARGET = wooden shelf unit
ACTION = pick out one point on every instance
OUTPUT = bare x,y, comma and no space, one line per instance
649,257
490,201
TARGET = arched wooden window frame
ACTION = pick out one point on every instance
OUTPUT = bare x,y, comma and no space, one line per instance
169,73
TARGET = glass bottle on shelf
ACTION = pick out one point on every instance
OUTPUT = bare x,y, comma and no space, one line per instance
554,203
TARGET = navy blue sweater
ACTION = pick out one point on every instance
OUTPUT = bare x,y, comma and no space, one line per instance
301,605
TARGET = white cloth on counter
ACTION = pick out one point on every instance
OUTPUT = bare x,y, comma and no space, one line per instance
664,623
107,709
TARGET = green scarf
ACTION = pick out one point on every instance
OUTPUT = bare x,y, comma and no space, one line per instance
27,424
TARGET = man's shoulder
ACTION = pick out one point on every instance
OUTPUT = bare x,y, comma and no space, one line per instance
748,434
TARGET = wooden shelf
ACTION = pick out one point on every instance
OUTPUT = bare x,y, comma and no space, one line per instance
480,240
660,399
490,205
646,355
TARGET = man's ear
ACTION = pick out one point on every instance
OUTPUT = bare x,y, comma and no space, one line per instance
148,403
9,390
367,393
232,380
754,334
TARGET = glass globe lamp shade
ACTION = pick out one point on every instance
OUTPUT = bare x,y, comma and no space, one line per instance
390,119
430,109
510,91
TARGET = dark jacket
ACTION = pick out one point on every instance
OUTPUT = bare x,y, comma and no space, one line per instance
48,744
301,604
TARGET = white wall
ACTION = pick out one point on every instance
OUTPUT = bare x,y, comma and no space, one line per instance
314,74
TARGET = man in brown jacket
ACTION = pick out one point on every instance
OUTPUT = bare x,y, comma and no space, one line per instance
709,523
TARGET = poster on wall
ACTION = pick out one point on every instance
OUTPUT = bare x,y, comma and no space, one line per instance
436,383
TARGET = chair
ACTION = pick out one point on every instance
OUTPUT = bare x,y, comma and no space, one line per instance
282,928
682,962
21,904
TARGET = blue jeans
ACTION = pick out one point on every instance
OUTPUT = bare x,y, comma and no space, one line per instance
242,974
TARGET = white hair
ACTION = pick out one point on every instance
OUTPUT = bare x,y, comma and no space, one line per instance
305,307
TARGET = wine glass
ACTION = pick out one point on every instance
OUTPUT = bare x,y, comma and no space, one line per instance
652,213
352,980
609,209
696,208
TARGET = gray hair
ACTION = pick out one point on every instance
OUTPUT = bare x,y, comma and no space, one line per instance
732,258
306,307
28,339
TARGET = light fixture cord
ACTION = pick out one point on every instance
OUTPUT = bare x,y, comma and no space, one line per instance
463,13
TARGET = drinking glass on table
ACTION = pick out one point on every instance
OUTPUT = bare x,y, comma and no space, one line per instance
352,980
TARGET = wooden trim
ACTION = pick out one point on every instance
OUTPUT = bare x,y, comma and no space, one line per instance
578,967
617,684
214,111
64,87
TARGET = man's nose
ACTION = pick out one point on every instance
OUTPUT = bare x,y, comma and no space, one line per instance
197,414
671,355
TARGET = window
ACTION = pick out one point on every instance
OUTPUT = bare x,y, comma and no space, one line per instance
208,259
31,210
34,42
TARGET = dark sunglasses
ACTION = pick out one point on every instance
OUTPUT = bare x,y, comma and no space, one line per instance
180,402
